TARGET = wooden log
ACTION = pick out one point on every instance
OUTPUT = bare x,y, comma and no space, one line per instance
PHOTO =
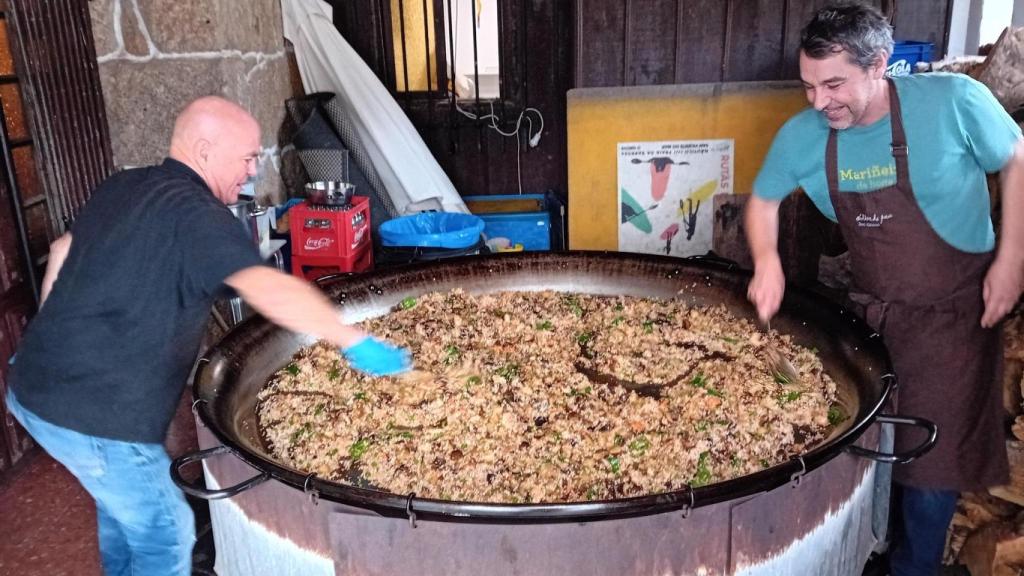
1014,491
978,509
1018,428
973,511
1013,334
1013,369
969,65
955,539
994,550
1003,70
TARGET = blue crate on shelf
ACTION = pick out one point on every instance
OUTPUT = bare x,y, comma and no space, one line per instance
531,228
906,55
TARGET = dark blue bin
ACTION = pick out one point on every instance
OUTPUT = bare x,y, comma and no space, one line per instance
906,55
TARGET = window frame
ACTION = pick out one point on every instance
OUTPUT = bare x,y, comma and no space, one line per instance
441,102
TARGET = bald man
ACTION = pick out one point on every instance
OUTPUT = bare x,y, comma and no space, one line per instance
125,297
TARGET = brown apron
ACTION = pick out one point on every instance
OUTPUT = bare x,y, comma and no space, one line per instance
925,298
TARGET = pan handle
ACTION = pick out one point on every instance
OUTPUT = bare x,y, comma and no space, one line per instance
903,457
328,277
711,258
205,493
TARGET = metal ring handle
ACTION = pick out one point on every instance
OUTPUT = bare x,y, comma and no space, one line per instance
408,509
314,494
205,493
796,477
903,457
688,507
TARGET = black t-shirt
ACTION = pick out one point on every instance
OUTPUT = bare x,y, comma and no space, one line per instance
110,351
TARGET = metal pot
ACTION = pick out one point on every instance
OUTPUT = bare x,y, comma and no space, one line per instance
330,193
254,218
231,374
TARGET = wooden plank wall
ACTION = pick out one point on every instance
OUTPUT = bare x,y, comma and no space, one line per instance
535,73
645,42
563,44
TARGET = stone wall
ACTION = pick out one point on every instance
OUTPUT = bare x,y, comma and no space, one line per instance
156,55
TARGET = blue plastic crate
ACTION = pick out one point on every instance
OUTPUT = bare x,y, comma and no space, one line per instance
905,56
531,229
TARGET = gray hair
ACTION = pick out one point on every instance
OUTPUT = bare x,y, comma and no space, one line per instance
858,29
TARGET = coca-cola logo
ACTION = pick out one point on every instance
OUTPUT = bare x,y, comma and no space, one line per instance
898,68
358,237
318,243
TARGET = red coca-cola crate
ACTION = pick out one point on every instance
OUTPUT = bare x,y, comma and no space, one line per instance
331,237
313,267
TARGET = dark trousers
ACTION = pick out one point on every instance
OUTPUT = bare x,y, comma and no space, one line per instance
924,516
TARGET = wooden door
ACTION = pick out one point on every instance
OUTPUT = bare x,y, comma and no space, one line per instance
54,149
17,299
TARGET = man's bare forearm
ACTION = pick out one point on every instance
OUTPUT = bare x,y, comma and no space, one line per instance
293,304
1011,243
761,221
59,249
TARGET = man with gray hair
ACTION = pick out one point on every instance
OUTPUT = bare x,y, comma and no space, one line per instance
125,299
900,164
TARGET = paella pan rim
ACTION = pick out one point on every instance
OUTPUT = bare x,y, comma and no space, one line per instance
219,362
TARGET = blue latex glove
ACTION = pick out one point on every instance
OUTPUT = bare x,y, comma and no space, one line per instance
377,358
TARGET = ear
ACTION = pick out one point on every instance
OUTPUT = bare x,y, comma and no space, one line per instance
202,150
881,63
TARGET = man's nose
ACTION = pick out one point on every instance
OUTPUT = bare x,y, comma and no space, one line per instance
821,100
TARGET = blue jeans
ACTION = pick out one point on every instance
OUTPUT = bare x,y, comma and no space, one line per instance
921,539
145,526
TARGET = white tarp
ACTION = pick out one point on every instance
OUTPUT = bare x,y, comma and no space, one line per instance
327,63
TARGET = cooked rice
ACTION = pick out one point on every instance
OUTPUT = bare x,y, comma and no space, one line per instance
500,410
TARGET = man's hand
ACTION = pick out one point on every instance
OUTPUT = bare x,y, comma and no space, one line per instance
767,287
1003,281
1000,290
761,219
377,358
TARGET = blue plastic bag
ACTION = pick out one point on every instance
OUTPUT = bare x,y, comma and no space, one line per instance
433,230
282,209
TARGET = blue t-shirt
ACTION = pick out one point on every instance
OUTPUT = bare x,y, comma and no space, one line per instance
956,132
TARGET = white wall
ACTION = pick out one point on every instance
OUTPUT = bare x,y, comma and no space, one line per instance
487,60
975,23
958,25
996,16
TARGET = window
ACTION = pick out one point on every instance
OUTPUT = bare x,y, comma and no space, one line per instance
995,17
450,43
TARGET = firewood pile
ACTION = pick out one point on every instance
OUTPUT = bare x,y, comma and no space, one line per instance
1003,69
969,65
987,532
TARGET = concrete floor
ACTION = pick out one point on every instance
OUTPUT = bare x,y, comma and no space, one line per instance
48,525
